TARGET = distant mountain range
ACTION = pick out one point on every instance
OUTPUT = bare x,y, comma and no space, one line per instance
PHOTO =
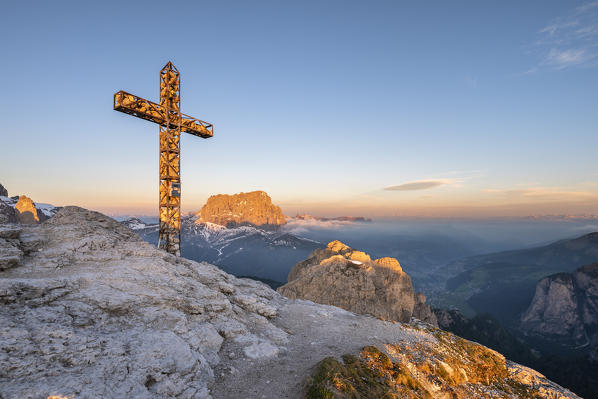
244,234
265,253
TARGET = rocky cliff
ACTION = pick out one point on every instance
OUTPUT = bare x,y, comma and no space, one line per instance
254,208
341,276
3,191
565,308
89,310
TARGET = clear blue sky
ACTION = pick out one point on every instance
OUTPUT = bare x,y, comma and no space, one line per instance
456,108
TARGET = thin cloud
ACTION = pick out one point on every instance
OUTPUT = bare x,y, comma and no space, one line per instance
544,194
566,58
418,185
569,41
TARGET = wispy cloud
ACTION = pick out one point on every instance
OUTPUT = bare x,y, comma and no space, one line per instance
566,58
418,185
570,40
544,194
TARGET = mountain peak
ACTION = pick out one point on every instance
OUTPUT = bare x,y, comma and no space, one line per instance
252,208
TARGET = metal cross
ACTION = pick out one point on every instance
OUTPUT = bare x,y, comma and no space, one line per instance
171,123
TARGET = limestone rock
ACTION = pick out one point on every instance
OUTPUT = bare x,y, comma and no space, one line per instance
3,191
350,279
26,211
565,308
253,208
90,310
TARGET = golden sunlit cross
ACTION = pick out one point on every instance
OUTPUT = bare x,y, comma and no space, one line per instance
172,122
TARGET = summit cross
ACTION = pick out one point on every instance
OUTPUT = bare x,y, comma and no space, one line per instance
171,123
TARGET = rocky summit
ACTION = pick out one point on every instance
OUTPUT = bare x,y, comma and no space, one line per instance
565,308
89,310
341,276
253,208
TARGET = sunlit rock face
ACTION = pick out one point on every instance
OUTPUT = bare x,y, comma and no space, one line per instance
341,276
254,208
445,367
565,308
89,310
26,211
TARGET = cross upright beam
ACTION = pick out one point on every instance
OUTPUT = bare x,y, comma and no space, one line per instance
171,123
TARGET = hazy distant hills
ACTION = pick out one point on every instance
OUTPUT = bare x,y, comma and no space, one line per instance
504,283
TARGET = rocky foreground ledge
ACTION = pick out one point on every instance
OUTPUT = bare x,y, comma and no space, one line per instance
89,310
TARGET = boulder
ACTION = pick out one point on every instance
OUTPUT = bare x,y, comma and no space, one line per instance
341,276
253,208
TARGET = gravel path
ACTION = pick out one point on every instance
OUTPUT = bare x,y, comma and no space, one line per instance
315,332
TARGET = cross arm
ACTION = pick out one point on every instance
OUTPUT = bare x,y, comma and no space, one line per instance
150,111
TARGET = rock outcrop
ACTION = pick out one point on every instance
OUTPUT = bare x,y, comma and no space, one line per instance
341,276
89,310
462,369
422,310
254,208
26,211
565,308
3,191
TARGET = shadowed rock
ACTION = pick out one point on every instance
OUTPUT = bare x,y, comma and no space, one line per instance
565,308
